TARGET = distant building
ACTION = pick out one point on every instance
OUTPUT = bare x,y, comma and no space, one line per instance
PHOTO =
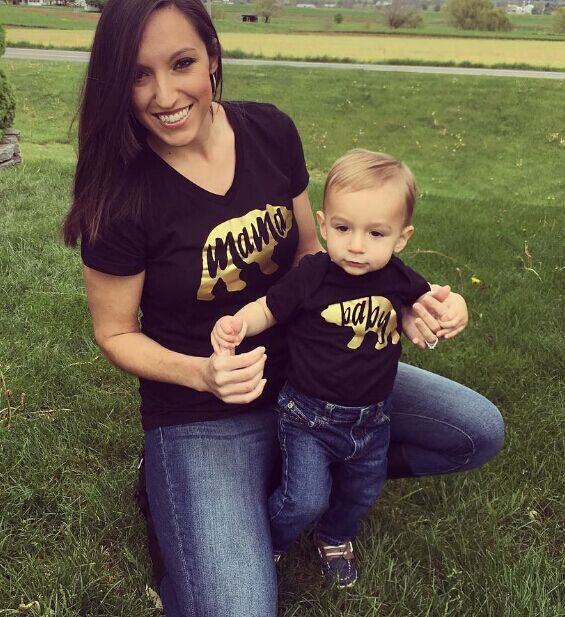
250,18
305,6
524,8
43,2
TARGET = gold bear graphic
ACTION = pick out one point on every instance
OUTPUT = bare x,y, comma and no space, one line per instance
371,314
244,240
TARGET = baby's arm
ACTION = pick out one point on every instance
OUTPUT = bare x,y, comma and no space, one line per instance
252,319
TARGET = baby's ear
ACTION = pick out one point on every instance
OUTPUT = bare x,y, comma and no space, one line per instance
322,223
405,235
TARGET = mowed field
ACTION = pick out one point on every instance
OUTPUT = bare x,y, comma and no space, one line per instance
360,48
228,19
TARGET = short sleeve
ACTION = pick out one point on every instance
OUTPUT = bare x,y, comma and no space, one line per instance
418,286
120,249
287,296
298,171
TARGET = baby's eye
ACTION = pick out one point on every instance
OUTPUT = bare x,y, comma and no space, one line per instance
375,234
342,228
183,63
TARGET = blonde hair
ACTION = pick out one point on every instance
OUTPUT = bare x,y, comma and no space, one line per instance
360,169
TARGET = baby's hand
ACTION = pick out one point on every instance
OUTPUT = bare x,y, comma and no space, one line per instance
228,333
455,317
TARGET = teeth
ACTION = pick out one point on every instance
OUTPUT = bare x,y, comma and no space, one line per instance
172,118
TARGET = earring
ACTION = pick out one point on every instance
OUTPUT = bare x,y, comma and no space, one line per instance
214,83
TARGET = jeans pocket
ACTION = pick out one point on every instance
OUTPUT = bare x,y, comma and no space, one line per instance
291,412
379,415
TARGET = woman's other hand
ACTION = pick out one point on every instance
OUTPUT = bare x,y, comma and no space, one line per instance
440,313
455,316
235,379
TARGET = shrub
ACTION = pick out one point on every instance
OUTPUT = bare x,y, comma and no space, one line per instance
338,18
402,14
7,101
559,20
477,15
7,105
2,40
218,11
437,8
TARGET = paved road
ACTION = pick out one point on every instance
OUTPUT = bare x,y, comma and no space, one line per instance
82,56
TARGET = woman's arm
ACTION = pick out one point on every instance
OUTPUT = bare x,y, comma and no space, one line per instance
114,306
308,242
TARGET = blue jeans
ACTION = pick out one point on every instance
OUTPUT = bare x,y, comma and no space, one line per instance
207,485
334,461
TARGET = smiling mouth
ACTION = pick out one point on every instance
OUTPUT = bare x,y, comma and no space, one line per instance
174,118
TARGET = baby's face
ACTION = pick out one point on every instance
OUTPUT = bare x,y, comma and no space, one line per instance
364,228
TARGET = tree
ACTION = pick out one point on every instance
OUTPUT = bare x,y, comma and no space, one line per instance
402,14
477,15
268,8
338,18
97,4
559,20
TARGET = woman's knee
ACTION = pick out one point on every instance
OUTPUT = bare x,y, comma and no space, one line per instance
486,427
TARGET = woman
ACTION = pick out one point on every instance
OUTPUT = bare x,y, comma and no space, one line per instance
188,208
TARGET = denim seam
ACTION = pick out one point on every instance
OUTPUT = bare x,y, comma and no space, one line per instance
175,523
348,458
459,430
284,480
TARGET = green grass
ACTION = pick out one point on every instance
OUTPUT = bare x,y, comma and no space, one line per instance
47,17
293,19
488,155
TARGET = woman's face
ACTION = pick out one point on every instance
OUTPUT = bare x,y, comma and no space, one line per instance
172,93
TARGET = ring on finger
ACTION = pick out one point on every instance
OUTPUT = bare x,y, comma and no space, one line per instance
433,344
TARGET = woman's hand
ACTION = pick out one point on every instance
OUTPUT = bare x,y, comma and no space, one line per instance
437,314
455,316
235,379
228,332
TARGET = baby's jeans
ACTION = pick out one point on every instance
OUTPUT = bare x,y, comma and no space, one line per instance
334,464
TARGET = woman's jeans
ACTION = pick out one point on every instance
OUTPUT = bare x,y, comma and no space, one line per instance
208,482
334,461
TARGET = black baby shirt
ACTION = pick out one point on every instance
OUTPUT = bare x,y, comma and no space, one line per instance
344,330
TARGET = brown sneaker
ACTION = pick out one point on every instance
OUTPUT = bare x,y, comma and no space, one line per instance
338,563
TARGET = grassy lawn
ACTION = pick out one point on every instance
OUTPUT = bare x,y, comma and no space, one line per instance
291,20
488,154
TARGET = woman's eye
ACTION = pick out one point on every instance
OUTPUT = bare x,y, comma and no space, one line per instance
139,75
183,63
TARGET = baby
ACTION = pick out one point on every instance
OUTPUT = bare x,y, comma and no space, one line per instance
344,318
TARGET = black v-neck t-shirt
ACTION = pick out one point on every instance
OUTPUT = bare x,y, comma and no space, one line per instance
344,330
207,255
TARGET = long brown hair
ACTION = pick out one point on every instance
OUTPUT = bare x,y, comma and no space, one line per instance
110,138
